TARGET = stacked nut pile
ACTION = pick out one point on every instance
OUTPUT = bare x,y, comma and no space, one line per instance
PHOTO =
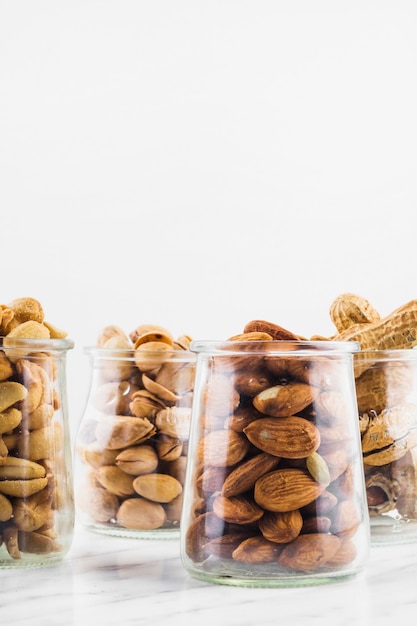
387,400
132,442
31,465
278,471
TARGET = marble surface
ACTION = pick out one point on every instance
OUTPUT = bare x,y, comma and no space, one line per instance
108,580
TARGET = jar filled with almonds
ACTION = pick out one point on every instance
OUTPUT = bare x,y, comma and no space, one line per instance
274,491
132,441
36,488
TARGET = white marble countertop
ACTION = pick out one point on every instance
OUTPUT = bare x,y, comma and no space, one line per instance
107,580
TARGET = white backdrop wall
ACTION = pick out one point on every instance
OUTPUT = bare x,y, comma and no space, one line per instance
198,164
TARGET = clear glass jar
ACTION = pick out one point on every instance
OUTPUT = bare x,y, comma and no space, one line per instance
36,482
386,390
274,492
132,442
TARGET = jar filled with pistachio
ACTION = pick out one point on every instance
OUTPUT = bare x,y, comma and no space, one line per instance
132,441
274,491
36,489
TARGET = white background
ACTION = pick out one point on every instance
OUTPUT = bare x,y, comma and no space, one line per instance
198,164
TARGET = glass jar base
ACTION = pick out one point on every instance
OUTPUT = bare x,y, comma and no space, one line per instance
30,561
288,581
116,531
387,530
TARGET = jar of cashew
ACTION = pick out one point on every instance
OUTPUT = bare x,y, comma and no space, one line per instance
36,489
386,389
274,491
132,441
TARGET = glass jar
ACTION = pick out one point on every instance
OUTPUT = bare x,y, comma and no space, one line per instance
36,482
274,492
132,442
386,390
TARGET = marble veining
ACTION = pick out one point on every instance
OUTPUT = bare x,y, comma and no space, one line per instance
109,580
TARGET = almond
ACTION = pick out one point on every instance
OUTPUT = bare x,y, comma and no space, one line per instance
286,489
200,532
289,437
224,546
256,550
274,330
243,477
222,448
285,400
237,509
281,527
309,552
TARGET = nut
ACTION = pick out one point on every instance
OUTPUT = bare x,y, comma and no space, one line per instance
137,460
115,480
6,508
281,527
10,393
237,509
349,309
309,552
14,468
223,547
256,550
285,400
157,487
140,514
222,448
274,330
290,437
244,476
22,488
119,431
33,512
286,489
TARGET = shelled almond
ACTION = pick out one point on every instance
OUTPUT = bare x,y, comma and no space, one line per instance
276,477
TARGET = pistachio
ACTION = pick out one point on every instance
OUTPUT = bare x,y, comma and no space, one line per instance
116,432
115,480
137,460
174,421
317,467
157,487
140,514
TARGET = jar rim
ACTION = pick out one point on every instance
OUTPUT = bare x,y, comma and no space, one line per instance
35,344
274,347
132,353
389,355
